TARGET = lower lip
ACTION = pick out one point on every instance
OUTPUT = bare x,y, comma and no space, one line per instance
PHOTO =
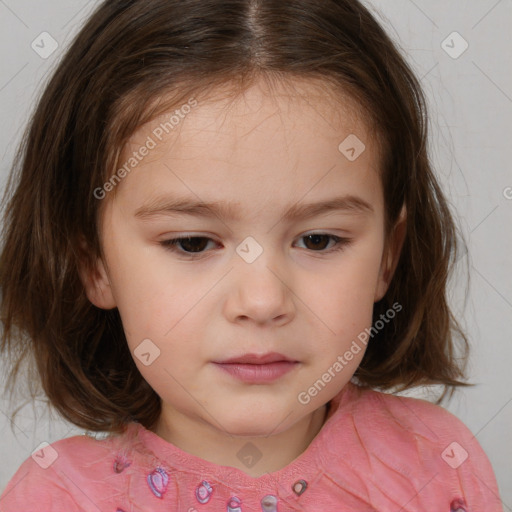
258,373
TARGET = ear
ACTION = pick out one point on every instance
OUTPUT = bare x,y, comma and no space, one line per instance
391,255
96,282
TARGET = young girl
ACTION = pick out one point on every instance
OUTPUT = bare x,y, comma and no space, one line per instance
224,244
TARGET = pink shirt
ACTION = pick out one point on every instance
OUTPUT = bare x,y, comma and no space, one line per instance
375,452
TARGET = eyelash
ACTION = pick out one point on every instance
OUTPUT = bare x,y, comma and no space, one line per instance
172,244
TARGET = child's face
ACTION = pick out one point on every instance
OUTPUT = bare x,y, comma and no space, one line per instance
262,155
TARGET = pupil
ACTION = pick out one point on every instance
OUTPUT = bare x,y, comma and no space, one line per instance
315,238
196,247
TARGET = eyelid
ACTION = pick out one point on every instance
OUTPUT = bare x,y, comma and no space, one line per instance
172,244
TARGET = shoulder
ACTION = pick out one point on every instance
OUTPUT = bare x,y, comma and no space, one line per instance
409,422
416,442
400,417
425,418
58,476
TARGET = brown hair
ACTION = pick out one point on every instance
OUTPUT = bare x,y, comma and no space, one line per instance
130,54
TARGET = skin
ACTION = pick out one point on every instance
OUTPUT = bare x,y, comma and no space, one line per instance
264,151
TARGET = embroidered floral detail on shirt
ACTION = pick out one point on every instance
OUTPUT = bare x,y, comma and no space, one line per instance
158,481
204,492
234,505
269,503
299,487
120,464
458,505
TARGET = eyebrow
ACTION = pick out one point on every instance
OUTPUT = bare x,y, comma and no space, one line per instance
228,211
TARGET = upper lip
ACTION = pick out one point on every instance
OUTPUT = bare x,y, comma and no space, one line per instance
271,357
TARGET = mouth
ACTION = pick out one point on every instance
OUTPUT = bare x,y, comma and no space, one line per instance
258,359
257,369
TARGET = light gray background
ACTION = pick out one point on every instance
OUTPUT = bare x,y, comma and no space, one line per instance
470,99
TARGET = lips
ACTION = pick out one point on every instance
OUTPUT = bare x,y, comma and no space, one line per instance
271,357
258,368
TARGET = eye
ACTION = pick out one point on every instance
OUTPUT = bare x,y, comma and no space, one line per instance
189,246
314,240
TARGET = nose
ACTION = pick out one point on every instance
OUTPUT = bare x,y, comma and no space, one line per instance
260,292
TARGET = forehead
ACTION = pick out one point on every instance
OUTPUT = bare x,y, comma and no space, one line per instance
285,134
230,108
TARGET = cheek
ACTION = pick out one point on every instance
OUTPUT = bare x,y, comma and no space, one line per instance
150,296
344,295
355,274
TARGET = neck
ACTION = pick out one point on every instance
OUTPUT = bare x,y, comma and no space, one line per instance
274,451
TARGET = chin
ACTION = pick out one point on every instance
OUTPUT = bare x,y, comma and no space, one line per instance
253,430
257,425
